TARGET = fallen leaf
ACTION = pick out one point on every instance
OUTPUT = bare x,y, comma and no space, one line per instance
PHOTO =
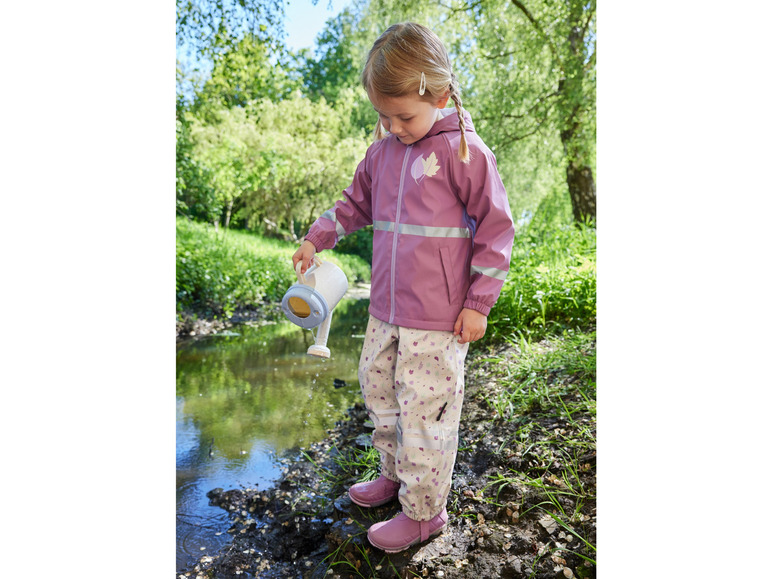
548,523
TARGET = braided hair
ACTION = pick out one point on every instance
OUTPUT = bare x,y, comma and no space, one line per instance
410,59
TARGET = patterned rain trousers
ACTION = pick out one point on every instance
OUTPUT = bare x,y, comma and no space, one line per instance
413,387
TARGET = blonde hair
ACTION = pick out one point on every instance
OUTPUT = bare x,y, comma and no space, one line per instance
407,58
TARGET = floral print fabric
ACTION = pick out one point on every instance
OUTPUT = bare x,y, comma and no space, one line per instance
412,382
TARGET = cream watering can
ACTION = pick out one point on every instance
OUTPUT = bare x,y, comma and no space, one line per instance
309,303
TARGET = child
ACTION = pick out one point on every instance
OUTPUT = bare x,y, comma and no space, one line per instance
442,241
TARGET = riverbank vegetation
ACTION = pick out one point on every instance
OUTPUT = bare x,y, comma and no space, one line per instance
220,270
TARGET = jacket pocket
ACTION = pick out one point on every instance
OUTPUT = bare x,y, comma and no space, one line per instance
450,275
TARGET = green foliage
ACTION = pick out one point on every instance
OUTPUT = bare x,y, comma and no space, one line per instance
339,58
559,379
551,284
196,197
333,75
209,27
278,165
358,243
256,67
545,394
219,271
527,74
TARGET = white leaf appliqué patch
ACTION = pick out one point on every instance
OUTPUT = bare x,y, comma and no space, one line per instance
424,168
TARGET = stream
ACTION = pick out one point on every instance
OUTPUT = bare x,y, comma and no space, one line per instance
246,396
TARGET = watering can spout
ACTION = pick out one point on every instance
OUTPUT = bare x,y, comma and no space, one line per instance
309,303
320,348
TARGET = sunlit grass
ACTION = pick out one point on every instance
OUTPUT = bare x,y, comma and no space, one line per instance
551,285
221,270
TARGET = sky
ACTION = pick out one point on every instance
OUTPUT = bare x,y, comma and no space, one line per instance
304,20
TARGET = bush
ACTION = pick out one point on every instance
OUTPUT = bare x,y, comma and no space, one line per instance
358,243
219,271
551,284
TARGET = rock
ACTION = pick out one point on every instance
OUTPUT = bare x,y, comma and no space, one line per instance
343,505
342,531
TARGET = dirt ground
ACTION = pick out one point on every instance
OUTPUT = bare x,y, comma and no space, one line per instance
306,527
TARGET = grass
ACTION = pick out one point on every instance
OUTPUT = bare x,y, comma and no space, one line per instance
352,463
220,271
543,393
551,284
540,379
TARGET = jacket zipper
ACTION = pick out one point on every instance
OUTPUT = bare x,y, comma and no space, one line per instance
396,232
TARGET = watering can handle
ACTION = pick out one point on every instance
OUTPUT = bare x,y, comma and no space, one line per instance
302,278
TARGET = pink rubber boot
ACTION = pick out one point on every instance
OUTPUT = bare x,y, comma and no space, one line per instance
374,493
402,532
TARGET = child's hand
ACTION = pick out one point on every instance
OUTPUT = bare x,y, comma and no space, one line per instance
470,326
305,253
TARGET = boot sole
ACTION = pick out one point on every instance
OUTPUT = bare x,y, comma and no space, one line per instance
370,505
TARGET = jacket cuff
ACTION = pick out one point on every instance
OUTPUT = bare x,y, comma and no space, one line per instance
479,306
315,239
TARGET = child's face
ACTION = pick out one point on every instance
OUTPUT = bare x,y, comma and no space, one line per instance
409,118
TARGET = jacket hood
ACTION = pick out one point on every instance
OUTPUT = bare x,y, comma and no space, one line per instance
449,123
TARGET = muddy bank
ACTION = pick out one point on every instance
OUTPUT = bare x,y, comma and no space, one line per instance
522,505
193,324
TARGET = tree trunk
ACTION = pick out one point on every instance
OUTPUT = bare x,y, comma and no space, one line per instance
228,211
581,187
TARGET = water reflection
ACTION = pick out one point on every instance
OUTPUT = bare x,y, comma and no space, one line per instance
245,396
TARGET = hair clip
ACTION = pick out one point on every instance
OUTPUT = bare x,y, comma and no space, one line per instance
422,88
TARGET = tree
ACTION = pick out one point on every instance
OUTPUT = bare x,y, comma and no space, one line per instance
196,197
277,165
527,70
545,53
209,27
255,67
206,29
334,72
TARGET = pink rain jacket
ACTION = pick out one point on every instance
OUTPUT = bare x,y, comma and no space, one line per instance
442,230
